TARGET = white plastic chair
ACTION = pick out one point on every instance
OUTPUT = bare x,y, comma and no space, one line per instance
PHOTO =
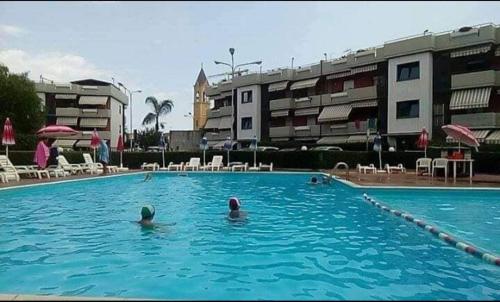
265,167
177,167
440,163
216,163
425,164
194,164
398,168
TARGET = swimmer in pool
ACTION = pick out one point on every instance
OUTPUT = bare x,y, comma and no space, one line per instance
314,181
148,177
234,207
147,215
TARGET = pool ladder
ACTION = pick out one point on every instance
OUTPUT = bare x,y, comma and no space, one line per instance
341,165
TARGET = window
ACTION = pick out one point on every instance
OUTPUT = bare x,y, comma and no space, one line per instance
246,97
407,109
246,123
408,71
348,85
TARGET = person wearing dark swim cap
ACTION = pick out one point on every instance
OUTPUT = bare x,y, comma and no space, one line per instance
314,181
147,215
234,207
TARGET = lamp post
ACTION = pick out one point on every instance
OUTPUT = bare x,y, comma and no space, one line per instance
233,68
131,126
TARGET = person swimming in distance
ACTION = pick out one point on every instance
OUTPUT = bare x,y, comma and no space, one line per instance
148,177
314,181
234,207
147,215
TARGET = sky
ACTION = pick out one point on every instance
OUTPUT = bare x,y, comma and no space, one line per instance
158,47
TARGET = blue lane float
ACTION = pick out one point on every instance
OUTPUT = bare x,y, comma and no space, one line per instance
463,246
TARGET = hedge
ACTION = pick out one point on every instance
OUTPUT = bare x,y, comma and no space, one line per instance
485,162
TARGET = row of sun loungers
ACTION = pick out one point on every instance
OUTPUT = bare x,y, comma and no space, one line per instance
10,172
215,165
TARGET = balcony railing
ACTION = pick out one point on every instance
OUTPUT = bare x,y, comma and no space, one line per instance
286,131
217,136
221,111
477,120
78,112
475,79
350,95
280,104
312,101
344,129
306,131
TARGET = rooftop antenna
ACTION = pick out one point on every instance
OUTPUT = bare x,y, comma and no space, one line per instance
426,31
326,57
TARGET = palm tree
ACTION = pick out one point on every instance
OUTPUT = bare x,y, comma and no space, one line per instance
159,109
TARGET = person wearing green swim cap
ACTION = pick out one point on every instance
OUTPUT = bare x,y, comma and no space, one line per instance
147,215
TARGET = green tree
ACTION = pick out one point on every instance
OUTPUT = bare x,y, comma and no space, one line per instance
159,109
147,138
19,102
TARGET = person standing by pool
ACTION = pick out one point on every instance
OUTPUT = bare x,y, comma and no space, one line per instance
104,155
234,207
41,154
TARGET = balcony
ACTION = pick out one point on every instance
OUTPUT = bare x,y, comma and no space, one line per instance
409,46
277,75
344,129
486,78
221,111
477,35
306,72
247,80
307,131
88,135
69,88
217,136
286,131
69,111
477,120
350,95
78,112
312,101
280,104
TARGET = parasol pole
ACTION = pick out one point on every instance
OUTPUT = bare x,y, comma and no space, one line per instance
7,150
94,154
163,156
121,159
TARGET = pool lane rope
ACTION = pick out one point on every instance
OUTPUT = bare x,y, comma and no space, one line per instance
466,247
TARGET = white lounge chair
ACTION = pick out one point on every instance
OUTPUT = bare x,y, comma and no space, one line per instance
96,167
364,169
440,163
265,167
9,171
424,164
193,164
153,166
66,166
398,168
15,172
243,167
3,177
177,167
216,163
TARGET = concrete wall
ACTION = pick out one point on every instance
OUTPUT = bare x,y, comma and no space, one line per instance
185,140
418,89
249,110
116,121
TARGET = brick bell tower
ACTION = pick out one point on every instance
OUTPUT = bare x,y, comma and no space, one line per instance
201,104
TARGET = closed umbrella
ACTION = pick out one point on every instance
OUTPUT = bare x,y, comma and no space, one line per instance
54,131
120,148
94,141
203,146
423,141
228,145
253,146
462,134
377,147
8,136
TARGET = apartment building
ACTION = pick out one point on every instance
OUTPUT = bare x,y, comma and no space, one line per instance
84,105
398,88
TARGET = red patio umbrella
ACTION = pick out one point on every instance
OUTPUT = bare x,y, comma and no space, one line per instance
54,131
8,136
120,149
462,134
94,141
423,140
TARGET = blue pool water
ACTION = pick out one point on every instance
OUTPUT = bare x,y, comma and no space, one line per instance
472,215
300,242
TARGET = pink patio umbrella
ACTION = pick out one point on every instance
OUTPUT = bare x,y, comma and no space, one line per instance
94,141
8,136
462,134
120,149
54,131
423,141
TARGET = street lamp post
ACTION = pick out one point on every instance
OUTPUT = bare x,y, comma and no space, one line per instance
131,127
233,68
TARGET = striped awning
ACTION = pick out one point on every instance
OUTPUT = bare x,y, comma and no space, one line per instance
212,123
335,113
306,111
279,113
365,104
332,140
83,143
277,86
480,135
354,139
89,122
470,51
65,96
493,138
339,75
470,98
93,100
65,143
364,69
304,84
67,121
225,123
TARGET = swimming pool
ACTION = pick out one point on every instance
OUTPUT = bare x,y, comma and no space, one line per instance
300,242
